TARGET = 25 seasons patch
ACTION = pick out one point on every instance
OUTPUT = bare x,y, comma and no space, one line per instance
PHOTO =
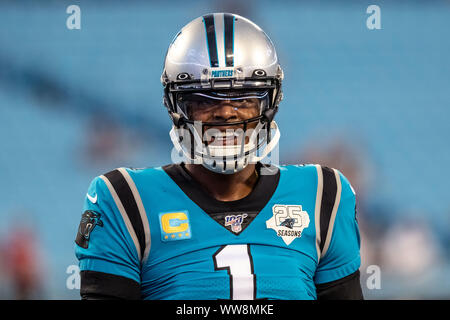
288,221
89,219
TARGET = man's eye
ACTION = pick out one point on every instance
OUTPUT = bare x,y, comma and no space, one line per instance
246,103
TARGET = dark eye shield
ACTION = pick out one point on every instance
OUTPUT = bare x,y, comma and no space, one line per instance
202,101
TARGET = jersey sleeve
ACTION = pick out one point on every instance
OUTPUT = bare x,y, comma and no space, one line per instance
342,255
103,244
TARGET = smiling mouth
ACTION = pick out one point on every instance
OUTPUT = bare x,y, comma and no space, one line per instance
227,135
223,138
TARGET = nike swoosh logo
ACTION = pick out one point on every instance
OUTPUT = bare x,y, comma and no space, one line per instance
91,199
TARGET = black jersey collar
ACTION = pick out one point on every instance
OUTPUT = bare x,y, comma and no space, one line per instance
251,205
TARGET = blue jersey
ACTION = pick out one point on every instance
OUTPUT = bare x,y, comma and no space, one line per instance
160,229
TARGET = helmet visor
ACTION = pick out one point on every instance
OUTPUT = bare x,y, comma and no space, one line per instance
212,106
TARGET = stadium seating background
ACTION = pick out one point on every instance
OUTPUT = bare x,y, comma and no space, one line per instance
78,103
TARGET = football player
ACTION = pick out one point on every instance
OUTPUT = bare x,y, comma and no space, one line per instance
220,224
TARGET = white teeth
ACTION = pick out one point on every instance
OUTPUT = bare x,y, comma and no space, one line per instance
227,134
224,135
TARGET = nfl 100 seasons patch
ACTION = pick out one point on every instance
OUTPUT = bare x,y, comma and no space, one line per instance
235,222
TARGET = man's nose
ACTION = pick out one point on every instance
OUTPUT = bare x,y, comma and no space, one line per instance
225,112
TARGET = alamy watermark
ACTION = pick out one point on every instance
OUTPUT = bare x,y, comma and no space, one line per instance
374,20
252,145
74,20
373,281
73,281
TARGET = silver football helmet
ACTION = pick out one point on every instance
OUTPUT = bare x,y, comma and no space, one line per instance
222,59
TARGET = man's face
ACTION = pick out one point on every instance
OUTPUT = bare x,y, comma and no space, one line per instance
224,110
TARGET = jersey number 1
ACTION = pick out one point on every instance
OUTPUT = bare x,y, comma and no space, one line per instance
237,260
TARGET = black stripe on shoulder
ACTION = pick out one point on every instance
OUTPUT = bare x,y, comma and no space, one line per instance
125,195
328,199
99,285
211,39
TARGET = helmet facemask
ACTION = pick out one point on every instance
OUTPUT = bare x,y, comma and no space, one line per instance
225,130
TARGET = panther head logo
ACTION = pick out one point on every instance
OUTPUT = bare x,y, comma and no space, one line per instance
289,222
89,220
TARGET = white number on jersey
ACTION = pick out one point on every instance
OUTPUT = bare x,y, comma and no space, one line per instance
237,260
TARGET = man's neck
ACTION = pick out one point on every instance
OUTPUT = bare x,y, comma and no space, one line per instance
225,187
